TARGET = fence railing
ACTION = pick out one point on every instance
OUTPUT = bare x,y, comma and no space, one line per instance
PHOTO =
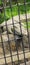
15,37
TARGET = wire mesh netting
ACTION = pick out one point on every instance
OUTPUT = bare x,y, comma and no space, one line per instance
15,34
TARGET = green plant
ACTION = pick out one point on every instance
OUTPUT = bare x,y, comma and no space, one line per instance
14,12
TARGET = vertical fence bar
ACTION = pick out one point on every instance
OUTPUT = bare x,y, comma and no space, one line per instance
26,22
21,31
14,30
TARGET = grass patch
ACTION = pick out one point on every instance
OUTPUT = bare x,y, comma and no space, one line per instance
14,12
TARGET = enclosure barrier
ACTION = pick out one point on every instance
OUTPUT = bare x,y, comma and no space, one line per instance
15,45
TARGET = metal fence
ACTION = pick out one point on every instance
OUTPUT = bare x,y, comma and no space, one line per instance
15,46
